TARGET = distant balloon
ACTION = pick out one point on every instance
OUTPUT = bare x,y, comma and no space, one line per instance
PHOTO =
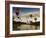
17,11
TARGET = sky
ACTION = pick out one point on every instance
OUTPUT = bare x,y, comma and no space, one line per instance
25,10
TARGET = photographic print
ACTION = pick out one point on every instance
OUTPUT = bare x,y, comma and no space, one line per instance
24,18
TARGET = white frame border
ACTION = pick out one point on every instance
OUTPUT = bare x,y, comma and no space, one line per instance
26,6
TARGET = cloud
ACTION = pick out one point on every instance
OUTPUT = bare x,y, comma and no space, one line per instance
37,13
